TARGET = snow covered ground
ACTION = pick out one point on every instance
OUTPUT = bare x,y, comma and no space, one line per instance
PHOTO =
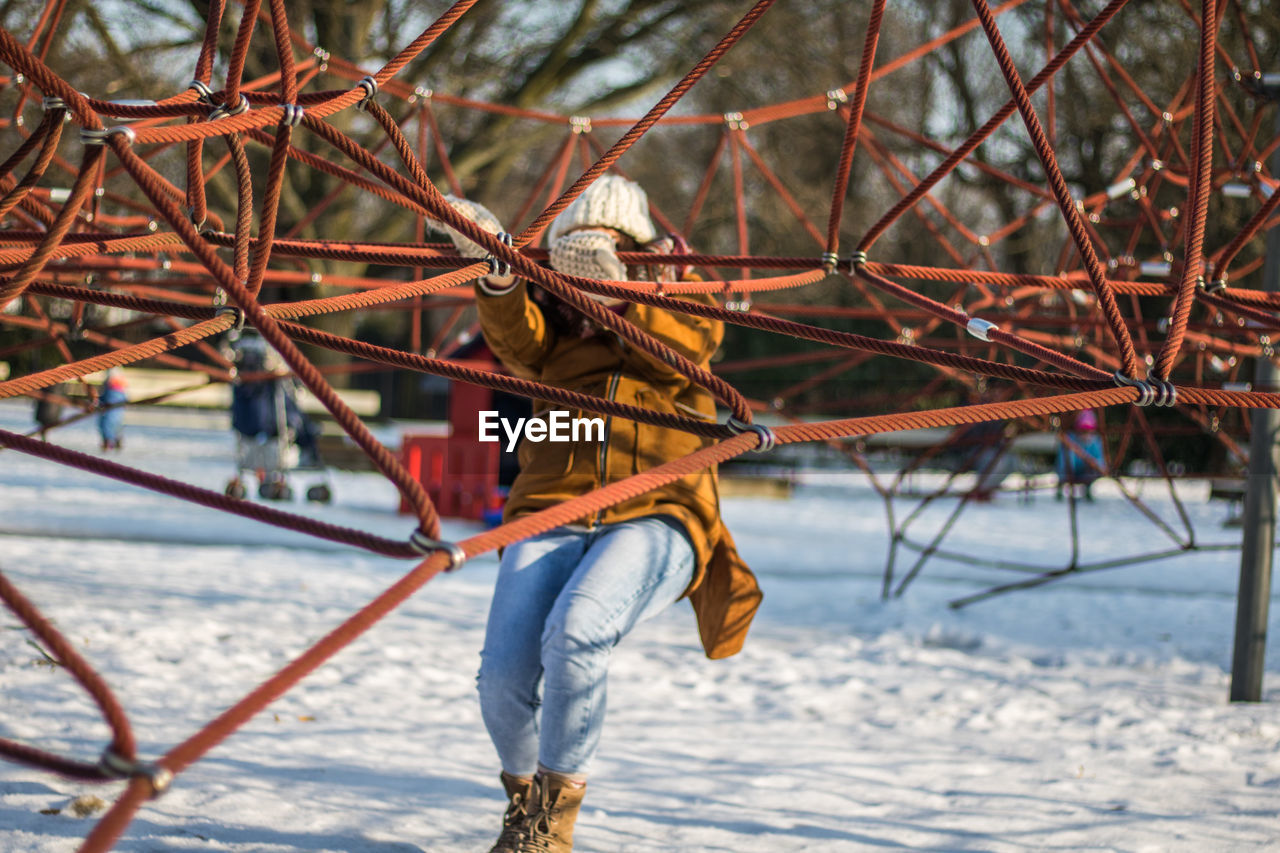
1085,715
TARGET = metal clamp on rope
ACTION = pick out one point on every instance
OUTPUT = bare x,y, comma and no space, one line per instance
293,114
223,110
498,268
99,137
203,93
858,258
1148,392
235,310
52,103
370,86
114,765
200,226
830,260
768,440
835,98
1166,393
1215,287
981,329
426,546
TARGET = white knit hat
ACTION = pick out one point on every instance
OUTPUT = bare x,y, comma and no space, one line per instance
611,202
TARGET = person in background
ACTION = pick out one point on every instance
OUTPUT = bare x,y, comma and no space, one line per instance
48,411
986,447
111,402
565,598
1072,465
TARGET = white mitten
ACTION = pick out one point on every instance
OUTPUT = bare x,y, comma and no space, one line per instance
477,213
589,254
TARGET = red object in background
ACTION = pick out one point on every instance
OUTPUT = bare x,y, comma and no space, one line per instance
459,472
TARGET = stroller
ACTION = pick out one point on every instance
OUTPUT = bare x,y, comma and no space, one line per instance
273,436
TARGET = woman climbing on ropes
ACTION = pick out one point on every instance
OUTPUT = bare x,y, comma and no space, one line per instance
565,598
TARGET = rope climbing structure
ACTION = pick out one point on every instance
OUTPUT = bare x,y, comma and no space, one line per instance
1051,342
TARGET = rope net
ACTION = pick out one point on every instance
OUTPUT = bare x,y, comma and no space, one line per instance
125,240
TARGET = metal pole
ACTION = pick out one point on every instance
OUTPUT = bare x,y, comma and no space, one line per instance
1254,596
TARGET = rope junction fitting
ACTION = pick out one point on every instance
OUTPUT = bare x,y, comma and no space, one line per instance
980,328
223,111
292,115
115,766
203,93
497,267
1154,391
768,440
236,312
90,136
423,544
370,86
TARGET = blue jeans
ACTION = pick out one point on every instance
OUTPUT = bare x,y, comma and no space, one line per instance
563,600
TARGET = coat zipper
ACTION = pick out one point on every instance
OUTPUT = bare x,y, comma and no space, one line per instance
603,458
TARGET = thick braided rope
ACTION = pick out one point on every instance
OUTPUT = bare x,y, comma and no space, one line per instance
850,340
66,218
190,750
47,134
501,382
64,652
441,210
1067,204
530,234
1082,38
186,753
206,497
1247,233
844,165
1198,200
382,458
1129,391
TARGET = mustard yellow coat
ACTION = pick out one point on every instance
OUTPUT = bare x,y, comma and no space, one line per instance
724,593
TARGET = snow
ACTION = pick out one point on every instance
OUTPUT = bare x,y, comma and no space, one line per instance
1086,714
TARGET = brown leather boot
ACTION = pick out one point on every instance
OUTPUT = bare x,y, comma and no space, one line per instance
549,827
519,796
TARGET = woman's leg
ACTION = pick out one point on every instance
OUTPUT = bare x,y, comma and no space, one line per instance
532,574
631,572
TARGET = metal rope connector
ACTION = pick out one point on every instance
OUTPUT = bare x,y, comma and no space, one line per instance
200,225
1154,391
981,329
580,124
1212,287
113,765
830,260
768,440
222,111
858,258
99,137
370,86
1147,392
425,545
1166,393
234,310
52,103
203,93
293,114
835,98
497,267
